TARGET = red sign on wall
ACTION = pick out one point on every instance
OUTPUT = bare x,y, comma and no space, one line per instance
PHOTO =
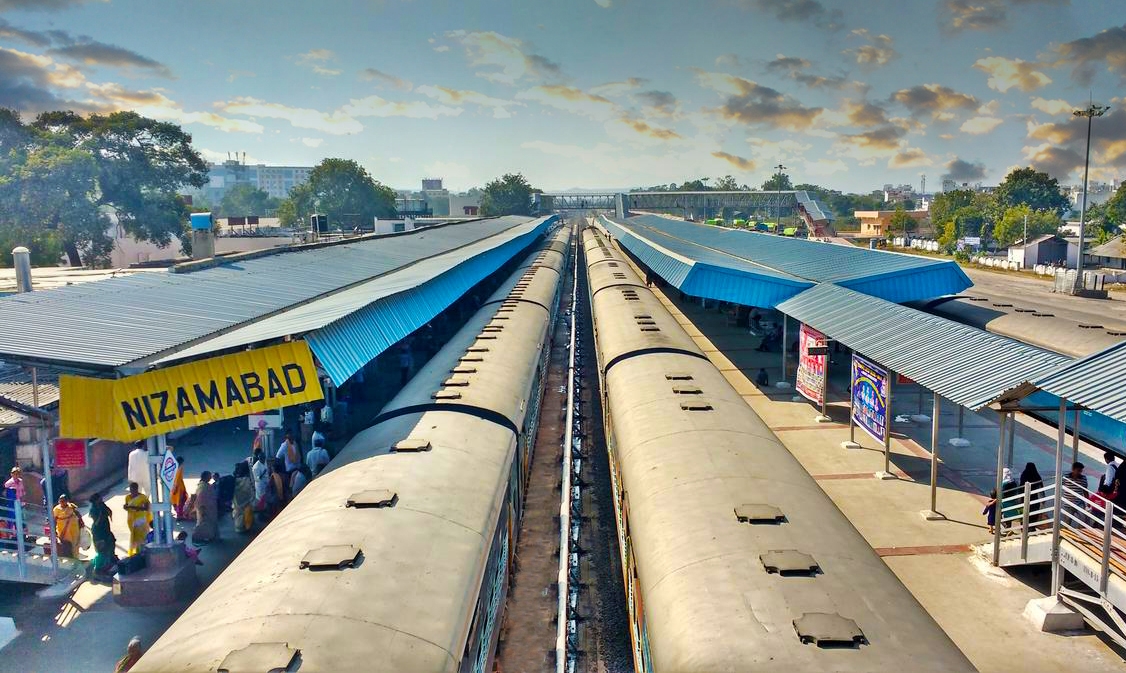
70,452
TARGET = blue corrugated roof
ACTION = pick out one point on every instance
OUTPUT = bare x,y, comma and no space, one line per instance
964,364
701,272
350,342
1097,382
119,321
893,276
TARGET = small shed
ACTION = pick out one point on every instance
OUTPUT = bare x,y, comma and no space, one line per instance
1047,249
1110,255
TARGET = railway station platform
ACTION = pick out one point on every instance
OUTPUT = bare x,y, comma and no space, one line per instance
979,606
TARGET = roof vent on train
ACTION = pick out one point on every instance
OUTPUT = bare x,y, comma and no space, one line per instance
757,513
696,406
463,370
686,390
829,630
446,395
332,557
455,382
678,376
375,498
411,445
258,657
789,562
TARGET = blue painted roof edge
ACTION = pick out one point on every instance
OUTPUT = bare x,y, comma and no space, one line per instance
904,285
741,287
345,346
672,269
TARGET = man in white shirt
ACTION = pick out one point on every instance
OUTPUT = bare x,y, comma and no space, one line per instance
138,468
290,453
261,475
1111,471
317,458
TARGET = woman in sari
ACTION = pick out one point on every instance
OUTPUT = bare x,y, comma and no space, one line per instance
68,524
206,511
104,541
179,494
139,516
242,504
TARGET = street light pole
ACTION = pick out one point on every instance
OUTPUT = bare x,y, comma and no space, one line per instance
1090,113
778,197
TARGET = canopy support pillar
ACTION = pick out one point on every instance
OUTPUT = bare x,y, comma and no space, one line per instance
932,514
1061,438
998,492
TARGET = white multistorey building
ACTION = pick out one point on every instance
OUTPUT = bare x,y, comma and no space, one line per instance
1097,193
277,181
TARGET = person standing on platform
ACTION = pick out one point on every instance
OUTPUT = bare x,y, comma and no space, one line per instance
138,470
275,493
206,511
762,379
179,494
139,516
16,489
261,475
1077,490
318,458
242,503
104,541
1009,488
60,483
1111,473
68,525
1031,475
290,453
298,481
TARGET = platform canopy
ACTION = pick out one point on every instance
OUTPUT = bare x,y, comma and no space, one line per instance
349,299
966,365
758,269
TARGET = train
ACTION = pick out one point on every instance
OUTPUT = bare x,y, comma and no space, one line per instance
397,557
733,558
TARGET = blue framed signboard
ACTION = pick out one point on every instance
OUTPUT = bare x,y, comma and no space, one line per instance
870,396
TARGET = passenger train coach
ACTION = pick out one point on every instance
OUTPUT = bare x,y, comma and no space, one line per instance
734,559
397,557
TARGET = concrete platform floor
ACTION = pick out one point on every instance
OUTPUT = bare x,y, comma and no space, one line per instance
978,606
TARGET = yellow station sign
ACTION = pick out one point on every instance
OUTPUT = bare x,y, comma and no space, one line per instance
184,396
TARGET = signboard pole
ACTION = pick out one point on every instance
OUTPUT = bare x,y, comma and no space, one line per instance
887,435
1074,436
824,417
154,480
1057,576
49,491
936,409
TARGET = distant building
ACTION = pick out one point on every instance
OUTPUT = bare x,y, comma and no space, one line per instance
875,222
1097,193
899,193
277,181
434,200
1047,249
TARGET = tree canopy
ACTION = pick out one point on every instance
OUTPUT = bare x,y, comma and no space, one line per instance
1035,189
901,222
246,199
65,178
510,194
1010,228
779,182
341,189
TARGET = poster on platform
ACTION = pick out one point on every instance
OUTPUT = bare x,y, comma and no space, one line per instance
811,366
870,390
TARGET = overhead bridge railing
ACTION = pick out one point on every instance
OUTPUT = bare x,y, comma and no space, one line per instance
1091,548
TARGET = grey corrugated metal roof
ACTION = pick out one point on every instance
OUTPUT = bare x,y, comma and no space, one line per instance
118,321
15,385
1097,382
965,365
1116,248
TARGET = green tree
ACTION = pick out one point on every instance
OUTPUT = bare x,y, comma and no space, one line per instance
246,199
1115,210
1010,228
949,237
140,165
510,194
779,182
341,189
900,221
726,184
947,203
1035,189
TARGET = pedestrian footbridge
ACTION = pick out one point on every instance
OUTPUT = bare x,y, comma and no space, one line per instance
1088,547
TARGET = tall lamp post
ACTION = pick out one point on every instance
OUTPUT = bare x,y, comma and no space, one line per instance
778,198
1090,113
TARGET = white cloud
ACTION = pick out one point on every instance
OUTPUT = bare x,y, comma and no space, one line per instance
503,59
980,125
375,106
571,100
334,123
1006,73
1052,107
604,4
448,96
825,167
312,142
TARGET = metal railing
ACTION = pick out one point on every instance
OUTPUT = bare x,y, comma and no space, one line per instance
21,525
1093,525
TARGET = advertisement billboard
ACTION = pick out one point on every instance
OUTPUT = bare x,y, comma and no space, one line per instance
870,397
811,364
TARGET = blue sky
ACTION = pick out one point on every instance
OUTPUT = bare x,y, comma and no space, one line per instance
596,93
